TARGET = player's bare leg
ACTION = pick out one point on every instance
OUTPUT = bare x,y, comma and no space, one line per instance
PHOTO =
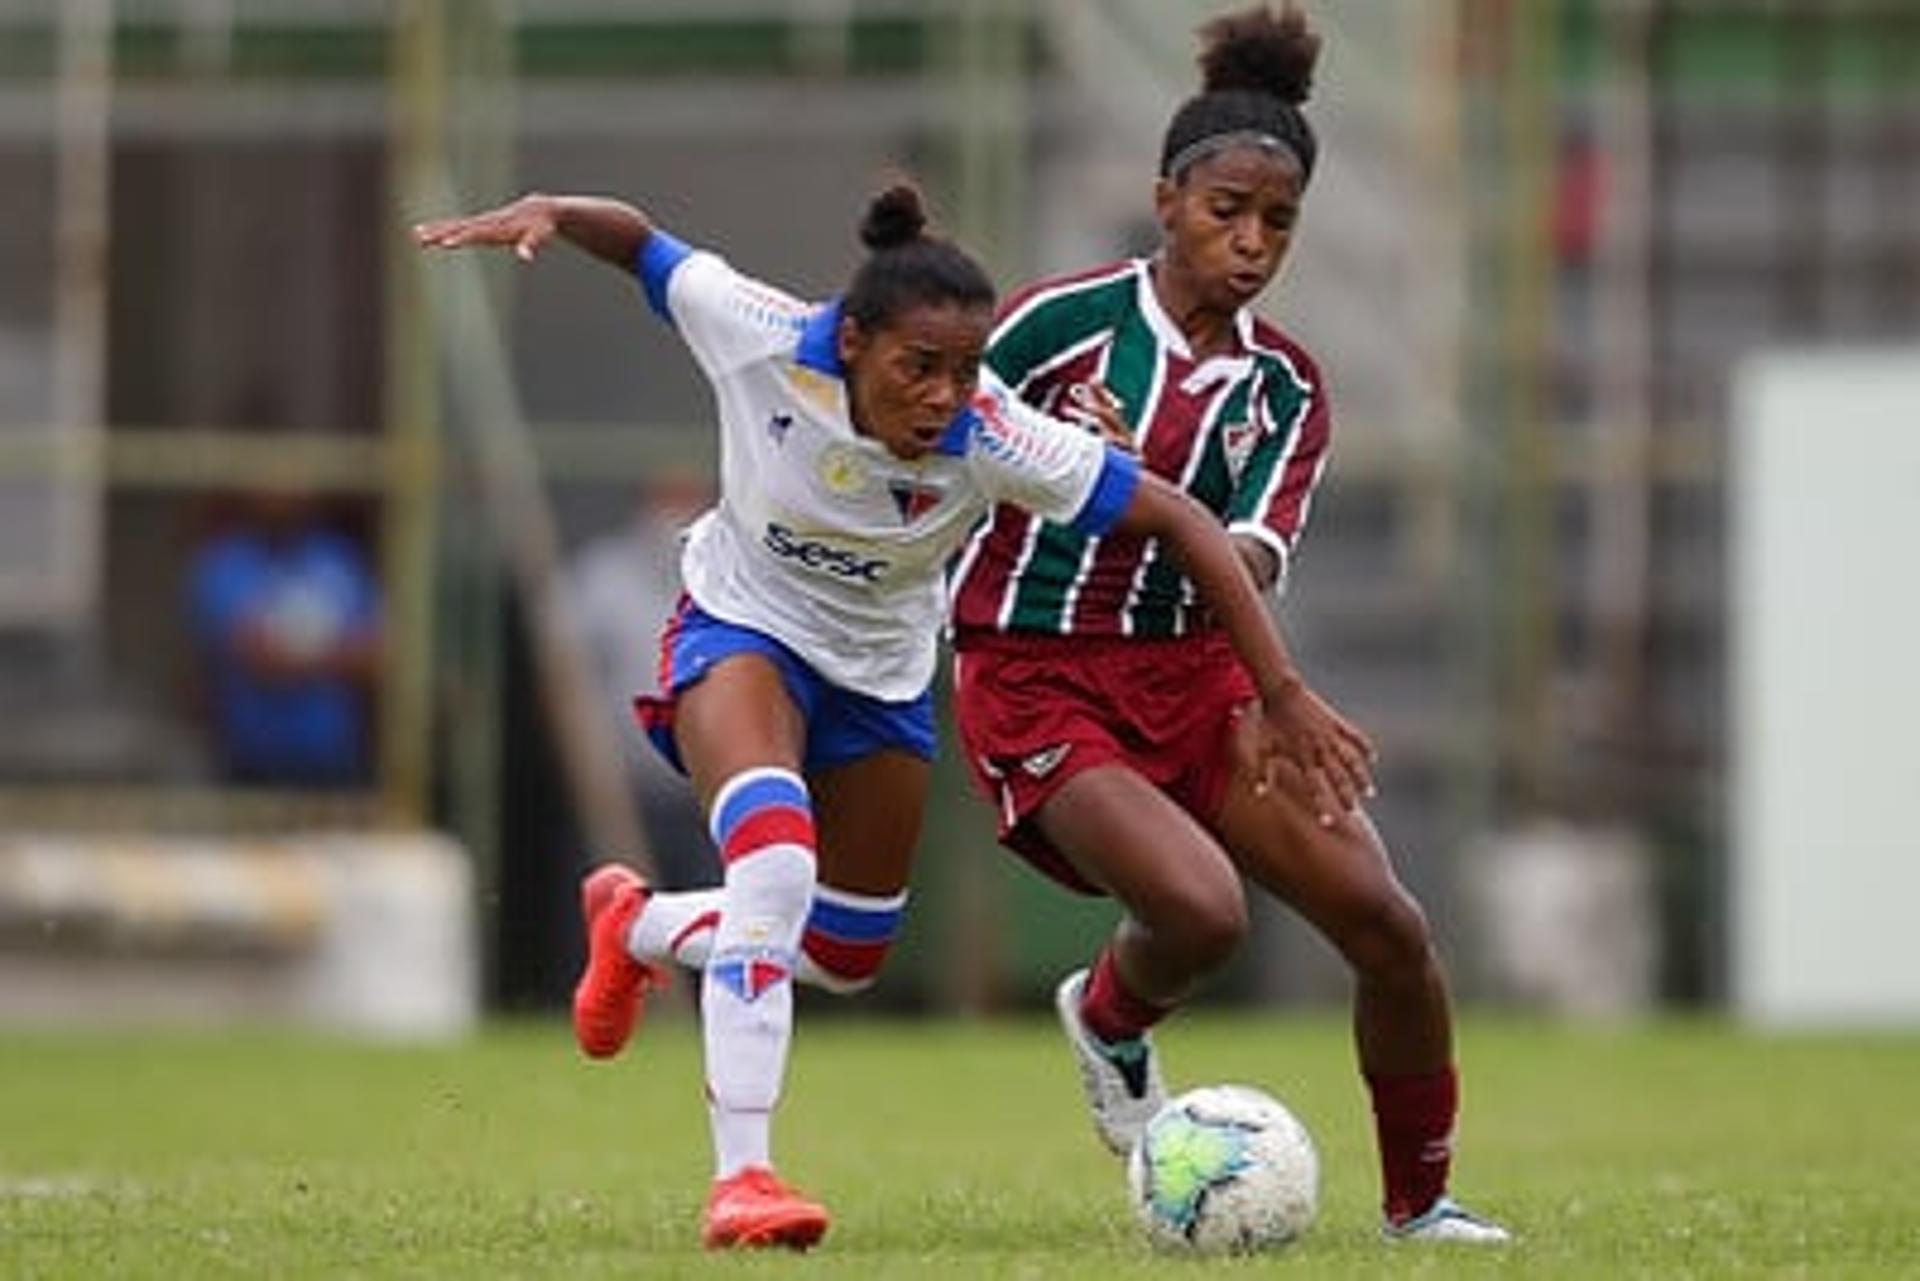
1186,914
1341,880
869,814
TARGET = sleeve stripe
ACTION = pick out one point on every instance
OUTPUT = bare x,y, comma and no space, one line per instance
1112,492
654,264
1299,473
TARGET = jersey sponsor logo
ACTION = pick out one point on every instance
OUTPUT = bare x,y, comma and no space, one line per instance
811,553
913,499
1043,762
843,470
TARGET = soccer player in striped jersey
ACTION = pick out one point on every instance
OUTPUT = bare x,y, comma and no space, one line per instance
860,443
1101,709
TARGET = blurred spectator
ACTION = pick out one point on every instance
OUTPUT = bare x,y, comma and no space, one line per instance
1579,197
620,590
286,629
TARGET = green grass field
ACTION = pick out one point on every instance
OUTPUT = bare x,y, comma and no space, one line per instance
945,1149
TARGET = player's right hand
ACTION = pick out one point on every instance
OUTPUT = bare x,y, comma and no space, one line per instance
524,226
1311,750
1094,406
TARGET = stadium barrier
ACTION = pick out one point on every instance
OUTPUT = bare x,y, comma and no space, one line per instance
368,933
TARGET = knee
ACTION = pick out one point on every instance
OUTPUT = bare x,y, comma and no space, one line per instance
1204,926
847,937
1387,937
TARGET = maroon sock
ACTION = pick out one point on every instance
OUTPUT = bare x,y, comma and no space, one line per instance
1413,1116
1112,1012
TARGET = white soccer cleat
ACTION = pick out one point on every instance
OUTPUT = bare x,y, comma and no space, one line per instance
1122,1079
1448,1220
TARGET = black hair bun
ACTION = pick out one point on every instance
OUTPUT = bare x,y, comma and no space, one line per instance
1260,51
895,217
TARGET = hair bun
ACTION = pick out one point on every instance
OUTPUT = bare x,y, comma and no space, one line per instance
895,217
1260,51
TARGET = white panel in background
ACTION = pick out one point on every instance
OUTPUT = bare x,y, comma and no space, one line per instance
1825,743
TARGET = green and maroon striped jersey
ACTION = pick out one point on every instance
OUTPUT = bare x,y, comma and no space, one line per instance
1244,433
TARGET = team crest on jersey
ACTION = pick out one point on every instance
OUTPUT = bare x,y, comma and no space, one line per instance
843,470
1239,440
777,427
913,499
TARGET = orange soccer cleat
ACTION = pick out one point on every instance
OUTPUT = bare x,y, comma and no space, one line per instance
612,990
754,1209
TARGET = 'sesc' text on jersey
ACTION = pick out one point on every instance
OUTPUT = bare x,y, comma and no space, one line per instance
811,553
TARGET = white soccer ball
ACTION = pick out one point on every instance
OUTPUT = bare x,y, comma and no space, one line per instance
1224,1169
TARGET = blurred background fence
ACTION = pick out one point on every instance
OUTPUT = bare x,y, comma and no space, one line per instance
1544,238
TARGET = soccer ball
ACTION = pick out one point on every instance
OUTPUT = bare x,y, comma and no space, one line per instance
1224,1169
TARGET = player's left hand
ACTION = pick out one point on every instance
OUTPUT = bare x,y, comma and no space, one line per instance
1300,743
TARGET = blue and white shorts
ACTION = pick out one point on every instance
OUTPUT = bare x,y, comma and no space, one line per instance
842,725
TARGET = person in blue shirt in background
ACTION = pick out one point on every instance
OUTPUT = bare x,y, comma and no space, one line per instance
286,628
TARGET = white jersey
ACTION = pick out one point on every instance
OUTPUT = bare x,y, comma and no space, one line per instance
822,538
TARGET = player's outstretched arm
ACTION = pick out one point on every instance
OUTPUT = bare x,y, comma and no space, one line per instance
610,230
1303,741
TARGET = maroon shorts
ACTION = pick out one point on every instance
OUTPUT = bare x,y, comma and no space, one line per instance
1033,711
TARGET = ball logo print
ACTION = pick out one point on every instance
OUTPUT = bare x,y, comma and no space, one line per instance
1189,1160
1224,1169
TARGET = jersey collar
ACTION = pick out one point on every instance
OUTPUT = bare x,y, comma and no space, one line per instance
1165,332
954,440
1164,329
819,347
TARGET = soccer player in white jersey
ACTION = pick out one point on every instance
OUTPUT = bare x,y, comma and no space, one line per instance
1096,696
859,443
